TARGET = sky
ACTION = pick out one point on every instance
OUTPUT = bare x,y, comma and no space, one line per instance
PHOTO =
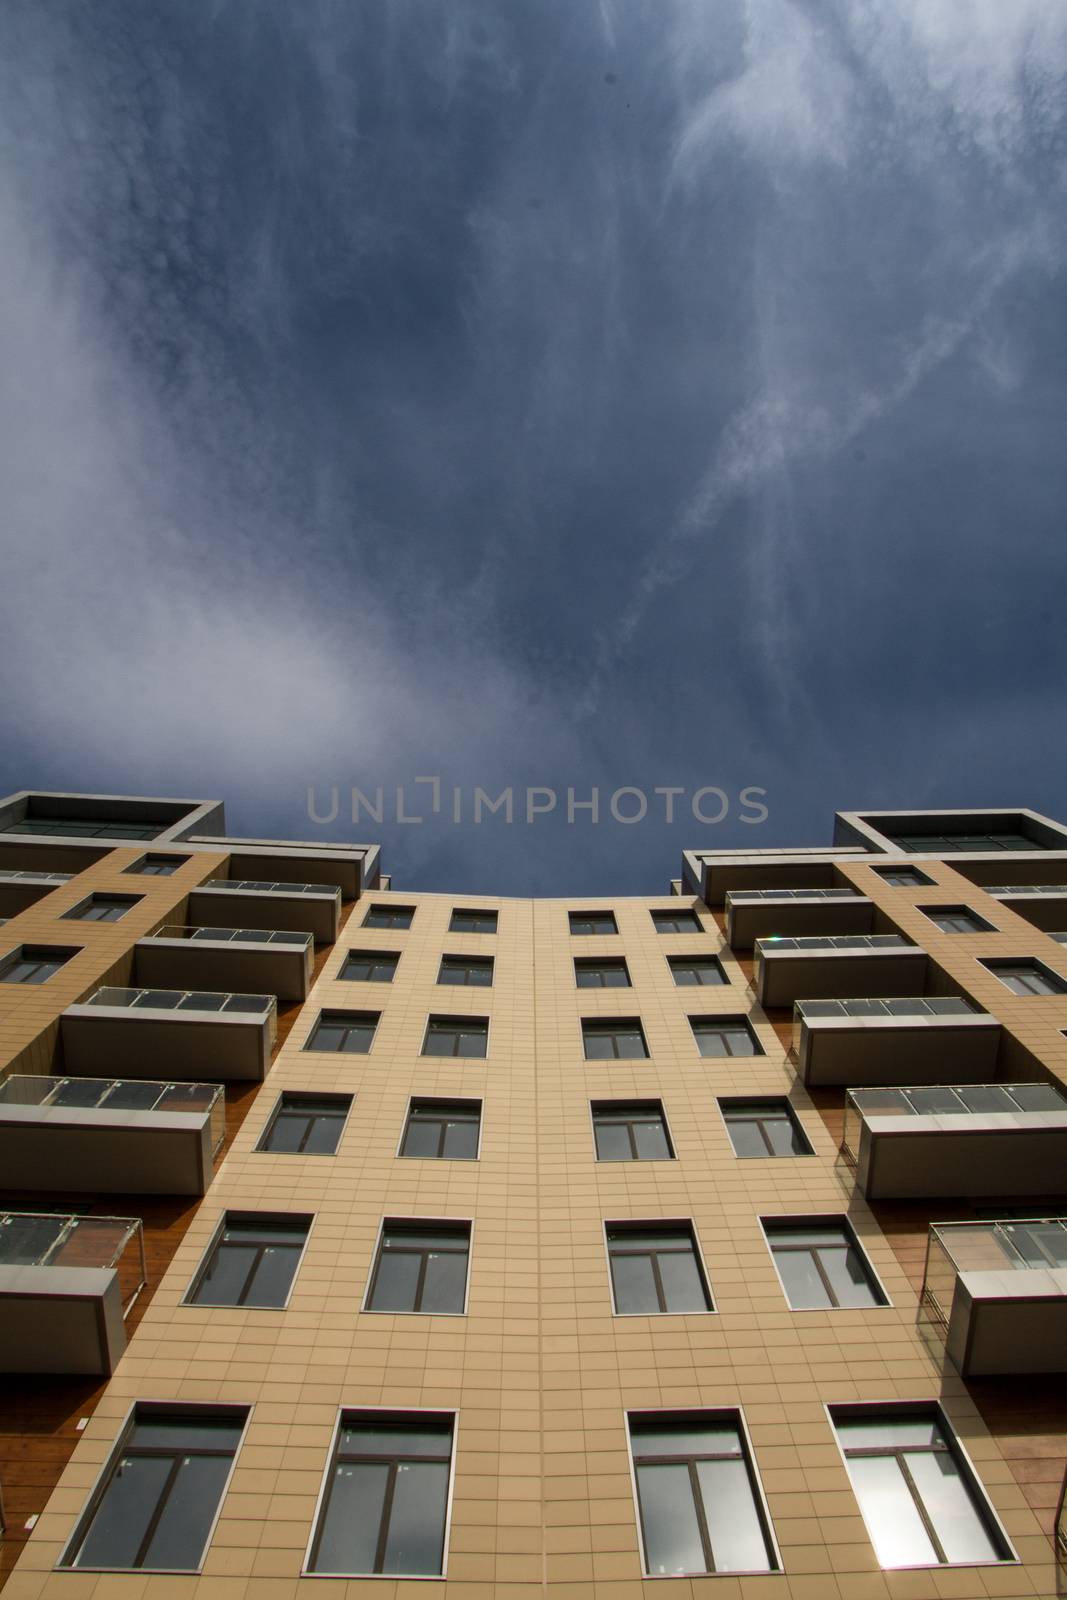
551,394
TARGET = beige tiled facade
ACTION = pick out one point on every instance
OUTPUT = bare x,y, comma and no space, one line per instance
539,1371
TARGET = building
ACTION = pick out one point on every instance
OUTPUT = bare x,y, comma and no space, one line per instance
353,1234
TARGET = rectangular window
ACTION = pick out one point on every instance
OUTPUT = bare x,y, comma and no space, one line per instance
1027,977
696,971
252,1262
84,828
457,1036
442,1130
761,1128
698,1499
369,966
655,1268
956,919
385,1501
351,1032
381,916
102,908
421,1267
673,921
472,972
33,963
724,1036
633,1130
464,921
821,1264
904,877
156,866
613,1039
587,923
922,1504
306,1124
941,844
162,1490
607,972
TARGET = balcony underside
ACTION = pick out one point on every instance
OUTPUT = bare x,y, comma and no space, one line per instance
281,970
757,919
193,1046
60,1320
318,915
966,1156
1009,1323
875,1052
70,1149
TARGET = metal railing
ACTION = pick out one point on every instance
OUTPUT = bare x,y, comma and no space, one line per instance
839,941
939,1100
118,1094
956,1247
190,1000
234,935
745,896
257,886
50,1239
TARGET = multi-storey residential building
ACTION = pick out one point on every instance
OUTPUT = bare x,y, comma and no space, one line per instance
359,1236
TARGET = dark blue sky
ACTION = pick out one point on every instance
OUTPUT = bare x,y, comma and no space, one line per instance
540,393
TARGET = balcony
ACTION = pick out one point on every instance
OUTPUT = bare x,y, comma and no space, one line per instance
1043,905
831,968
712,874
262,960
902,1040
997,1291
939,1141
109,1135
756,913
67,1285
313,908
20,890
348,867
187,1034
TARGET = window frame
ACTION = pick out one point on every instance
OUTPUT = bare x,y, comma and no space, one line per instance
995,964
638,1224
66,1561
717,1020
367,955
444,1100
727,1100
474,911
239,1215
484,962
660,914
260,1149
390,1219
390,927
592,933
100,897
933,913
383,1414
326,1014
596,1105
674,962
453,1017
176,862
42,954
848,1410
709,1415
814,1220
600,1027
584,963
921,880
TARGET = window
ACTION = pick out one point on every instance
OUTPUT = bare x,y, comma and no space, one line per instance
590,922
956,919
84,828
613,1038
162,1490
443,1130
655,1268
676,922
385,1500
156,866
102,908
760,1128
633,1130
941,844
1027,977
724,1036
306,1124
904,877
464,921
921,1502
609,972
351,1032
421,1267
467,971
389,916
252,1262
369,966
457,1036
821,1265
696,971
33,963
699,1503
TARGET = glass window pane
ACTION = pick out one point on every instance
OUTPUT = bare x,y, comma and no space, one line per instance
786,1139
746,1138
737,1540
846,1272
685,1438
178,1433
273,1276
396,1282
891,1515
461,1140
422,1137
682,1285
651,1140
182,1530
630,1046
225,1275
122,1519
353,1519
949,1506
324,1133
613,1142
598,1047
396,1438
285,1134
803,1287
866,1433
668,1517
445,1283
635,1287
415,1542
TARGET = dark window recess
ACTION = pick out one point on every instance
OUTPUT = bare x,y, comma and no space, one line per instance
631,1131
463,921
676,922
382,916
351,1032
613,1039
821,1265
943,844
725,1036
32,963
472,972
161,1492
588,923
904,877
956,919
1027,977
306,1124
759,1128
102,908
252,1263
457,1036
386,1499
421,1266
369,966
443,1130
609,972
156,866
697,971
655,1268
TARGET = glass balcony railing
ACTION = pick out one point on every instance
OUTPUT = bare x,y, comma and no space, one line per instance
939,1100
908,1006
258,886
189,1000
285,936
47,1239
953,1248
1026,888
7,876
118,1094
754,896
844,941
